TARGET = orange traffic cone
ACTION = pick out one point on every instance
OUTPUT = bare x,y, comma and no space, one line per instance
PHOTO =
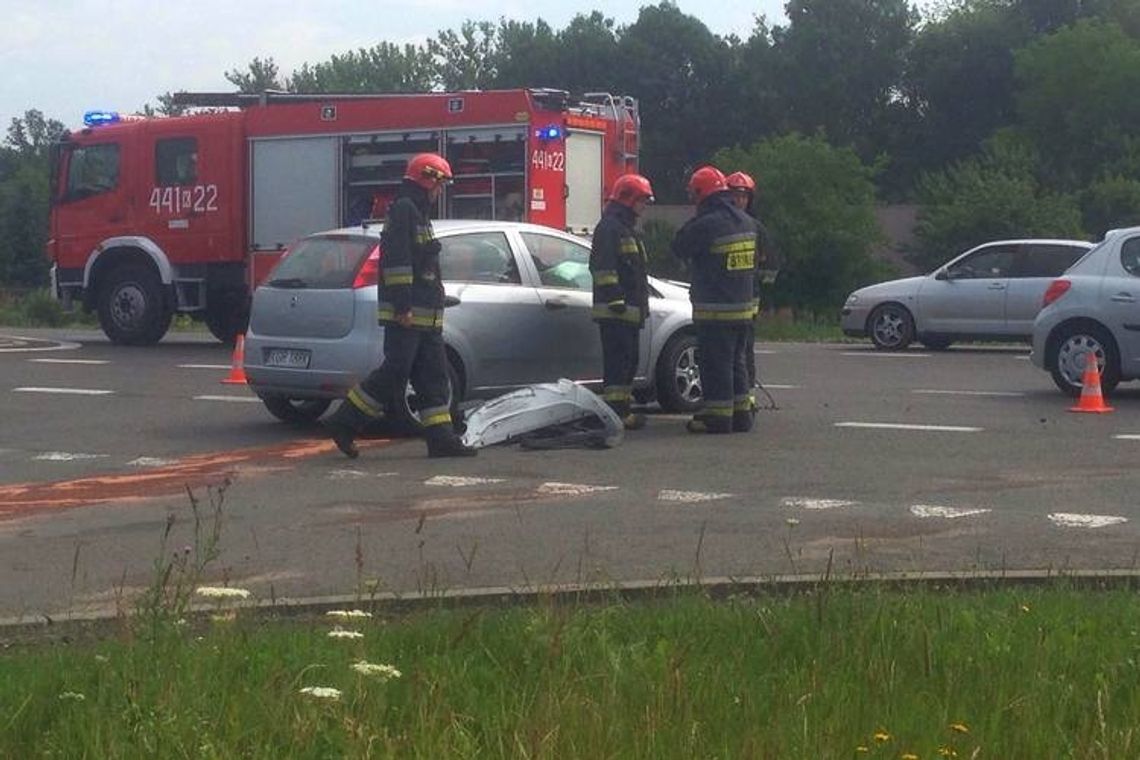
1091,398
237,368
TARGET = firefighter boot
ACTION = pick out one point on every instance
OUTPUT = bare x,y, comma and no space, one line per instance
744,415
344,425
633,421
707,423
443,442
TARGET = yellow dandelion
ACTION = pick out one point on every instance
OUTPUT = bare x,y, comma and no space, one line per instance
961,728
947,752
1025,608
909,756
882,736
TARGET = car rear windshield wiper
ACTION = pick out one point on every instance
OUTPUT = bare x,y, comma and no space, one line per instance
289,282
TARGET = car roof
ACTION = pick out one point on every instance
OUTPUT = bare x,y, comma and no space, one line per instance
373,227
1039,241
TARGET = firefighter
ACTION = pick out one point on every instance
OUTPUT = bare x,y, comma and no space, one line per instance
618,264
743,189
411,302
719,246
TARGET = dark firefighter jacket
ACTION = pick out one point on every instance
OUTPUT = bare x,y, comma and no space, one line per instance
618,264
719,247
410,277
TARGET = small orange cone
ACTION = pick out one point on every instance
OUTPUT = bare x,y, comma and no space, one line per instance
1091,398
237,368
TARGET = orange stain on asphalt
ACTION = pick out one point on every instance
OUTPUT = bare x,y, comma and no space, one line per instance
190,472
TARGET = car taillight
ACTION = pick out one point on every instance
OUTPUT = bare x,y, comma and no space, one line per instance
369,273
1056,289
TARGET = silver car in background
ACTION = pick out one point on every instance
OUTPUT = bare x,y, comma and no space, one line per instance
519,300
991,292
1093,310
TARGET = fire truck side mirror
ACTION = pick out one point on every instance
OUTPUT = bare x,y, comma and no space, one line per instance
565,191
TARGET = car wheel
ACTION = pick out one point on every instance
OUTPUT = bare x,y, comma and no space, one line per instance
936,342
1071,347
133,309
296,411
406,409
891,327
679,375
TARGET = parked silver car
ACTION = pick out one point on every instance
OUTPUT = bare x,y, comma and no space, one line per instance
519,300
991,292
1093,310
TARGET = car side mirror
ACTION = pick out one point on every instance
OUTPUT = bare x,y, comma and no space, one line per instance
942,274
449,301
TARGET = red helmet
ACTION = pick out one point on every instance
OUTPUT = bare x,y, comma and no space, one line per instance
631,188
706,181
428,170
741,182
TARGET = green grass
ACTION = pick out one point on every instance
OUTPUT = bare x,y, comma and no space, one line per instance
1017,673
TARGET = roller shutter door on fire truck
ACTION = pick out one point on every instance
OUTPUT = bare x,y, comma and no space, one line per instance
294,188
583,180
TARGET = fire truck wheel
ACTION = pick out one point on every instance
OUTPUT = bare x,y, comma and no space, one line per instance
133,309
296,411
678,375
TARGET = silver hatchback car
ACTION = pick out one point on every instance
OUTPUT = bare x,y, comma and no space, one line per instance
1093,310
991,292
519,299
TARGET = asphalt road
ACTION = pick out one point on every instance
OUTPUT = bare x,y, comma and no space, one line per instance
964,460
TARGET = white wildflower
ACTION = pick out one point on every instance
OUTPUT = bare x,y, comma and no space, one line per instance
102,658
72,695
341,633
321,692
222,592
383,672
792,522
349,614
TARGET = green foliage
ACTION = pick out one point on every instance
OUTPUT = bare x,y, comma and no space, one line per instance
260,75
386,67
818,204
994,196
24,199
1110,203
658,238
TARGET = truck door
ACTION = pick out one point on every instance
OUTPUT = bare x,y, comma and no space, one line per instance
91,203
583,180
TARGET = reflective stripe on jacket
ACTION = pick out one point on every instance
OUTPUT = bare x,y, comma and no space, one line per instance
619,267
410,278
719,247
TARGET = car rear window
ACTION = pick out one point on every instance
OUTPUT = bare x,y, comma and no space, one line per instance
326,261
1048,259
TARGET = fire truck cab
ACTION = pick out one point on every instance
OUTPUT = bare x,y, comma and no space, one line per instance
155,216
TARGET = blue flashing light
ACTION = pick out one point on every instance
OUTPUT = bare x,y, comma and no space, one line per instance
99,118
553,132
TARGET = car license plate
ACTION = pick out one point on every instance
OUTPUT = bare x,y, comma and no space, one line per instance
295,358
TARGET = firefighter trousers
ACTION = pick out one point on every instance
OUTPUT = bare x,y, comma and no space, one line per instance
619,363
750,353
728,401
418,356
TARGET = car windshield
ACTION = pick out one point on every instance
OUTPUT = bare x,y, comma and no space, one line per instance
326,261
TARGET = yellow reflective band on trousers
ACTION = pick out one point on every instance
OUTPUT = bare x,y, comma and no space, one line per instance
605,277
717,408
421,317
617,392
436,415
631,314
744,403
722,312
365,403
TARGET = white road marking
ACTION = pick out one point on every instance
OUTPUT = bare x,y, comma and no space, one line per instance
808,503
1022,358
70,361
151,462
238,399
897,426
764,352
1069,520
61,346
571,489
358,474
949,513
1004,394
66,391
690,497
222,367
1127,437
66,456
885,354
459,481
775,387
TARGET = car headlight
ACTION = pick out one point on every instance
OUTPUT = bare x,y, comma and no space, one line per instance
852,300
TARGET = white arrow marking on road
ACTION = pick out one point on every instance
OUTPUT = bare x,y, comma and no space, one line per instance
65,456
70,361
1007,394
690,497
1069,520
205,366
571,489
458,481
949,513
806,503
68,391
239,399
894,426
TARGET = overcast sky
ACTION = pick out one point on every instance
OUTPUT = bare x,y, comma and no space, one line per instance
65,57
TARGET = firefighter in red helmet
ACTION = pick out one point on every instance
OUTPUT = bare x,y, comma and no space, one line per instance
411,302
719,247
619,266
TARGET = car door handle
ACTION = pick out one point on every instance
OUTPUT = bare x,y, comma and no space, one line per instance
555,303
1124,298
997,286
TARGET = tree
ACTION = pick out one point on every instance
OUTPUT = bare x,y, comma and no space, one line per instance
385,67
465,59
818,204
996,195
24,198
260,75
32,135
1109,203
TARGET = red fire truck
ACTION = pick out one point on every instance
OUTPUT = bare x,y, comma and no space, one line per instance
153,216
